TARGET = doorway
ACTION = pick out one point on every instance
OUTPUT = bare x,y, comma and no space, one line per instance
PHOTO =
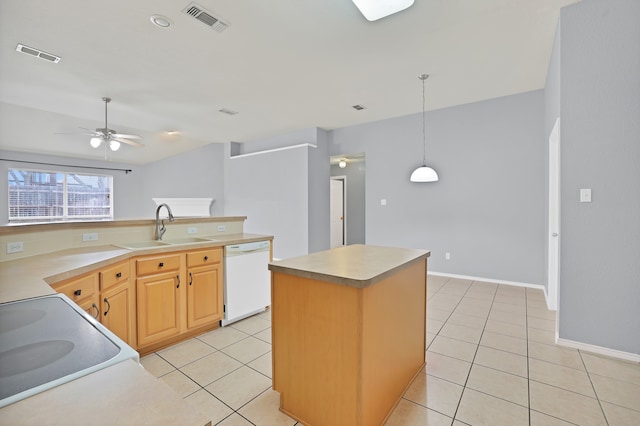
554,216
337,211
350,169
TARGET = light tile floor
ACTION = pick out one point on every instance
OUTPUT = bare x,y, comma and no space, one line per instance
491,360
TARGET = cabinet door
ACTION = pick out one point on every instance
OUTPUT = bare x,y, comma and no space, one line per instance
117,311
204,296
83,291
158,305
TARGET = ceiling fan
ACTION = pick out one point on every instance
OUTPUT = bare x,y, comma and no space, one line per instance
109,136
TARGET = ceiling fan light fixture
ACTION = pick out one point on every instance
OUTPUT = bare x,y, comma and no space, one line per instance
95,142
376,9
114,145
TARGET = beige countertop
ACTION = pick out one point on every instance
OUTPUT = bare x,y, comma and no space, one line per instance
122,394
28,277
355,265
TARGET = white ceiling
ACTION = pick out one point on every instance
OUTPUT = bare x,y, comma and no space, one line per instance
284,65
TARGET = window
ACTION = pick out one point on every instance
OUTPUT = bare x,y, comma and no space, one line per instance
46,196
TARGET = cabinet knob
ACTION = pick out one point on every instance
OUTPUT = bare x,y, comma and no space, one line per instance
77,292
160,265
206,258
119,275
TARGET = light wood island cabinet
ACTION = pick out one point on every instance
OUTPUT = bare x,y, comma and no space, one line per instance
348,330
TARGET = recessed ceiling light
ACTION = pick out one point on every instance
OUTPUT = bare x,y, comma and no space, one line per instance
161,21
172,132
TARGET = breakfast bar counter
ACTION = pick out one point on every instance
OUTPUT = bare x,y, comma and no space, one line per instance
348,330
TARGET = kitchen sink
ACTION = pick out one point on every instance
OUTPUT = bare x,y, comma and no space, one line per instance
187,240
143,244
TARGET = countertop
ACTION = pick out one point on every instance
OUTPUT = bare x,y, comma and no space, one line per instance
122,394
356,265
32,276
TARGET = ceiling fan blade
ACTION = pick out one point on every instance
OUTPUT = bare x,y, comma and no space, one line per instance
79,134
120,135
93,131
128,142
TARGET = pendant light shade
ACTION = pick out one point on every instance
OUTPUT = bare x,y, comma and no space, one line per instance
424,173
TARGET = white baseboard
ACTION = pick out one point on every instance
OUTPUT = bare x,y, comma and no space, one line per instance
613,353
562,342
489,280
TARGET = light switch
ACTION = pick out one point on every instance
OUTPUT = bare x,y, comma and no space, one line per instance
383,202
585,195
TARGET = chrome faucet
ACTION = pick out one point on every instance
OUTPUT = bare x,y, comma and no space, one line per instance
161,229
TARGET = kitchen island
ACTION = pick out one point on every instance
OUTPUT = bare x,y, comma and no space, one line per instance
348,330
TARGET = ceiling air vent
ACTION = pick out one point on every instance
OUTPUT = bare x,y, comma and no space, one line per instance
38,53
358,107
196,11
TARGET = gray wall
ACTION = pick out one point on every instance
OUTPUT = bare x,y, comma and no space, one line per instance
198,173
318,190
356,216
488,207
271,189
127,203
600,133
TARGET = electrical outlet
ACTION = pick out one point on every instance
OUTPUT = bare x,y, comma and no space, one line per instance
447,256
90,236
192,230
15,247
221,228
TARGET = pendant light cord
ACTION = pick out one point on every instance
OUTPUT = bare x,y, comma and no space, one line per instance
423,77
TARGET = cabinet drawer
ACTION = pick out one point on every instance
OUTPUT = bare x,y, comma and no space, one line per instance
204,257
114,275
79,290
157,264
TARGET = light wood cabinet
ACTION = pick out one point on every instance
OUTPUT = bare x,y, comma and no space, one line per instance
117,302
159,307
178,295
83,291
107,296
204,292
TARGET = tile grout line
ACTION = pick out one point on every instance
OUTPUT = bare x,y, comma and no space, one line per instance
594,387
476,351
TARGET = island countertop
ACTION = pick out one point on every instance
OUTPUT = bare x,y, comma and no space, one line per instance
355,265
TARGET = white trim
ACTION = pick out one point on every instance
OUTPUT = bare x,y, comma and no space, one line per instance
488,280
627,356
491,280
273,150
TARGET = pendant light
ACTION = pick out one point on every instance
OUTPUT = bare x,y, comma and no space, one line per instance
424,173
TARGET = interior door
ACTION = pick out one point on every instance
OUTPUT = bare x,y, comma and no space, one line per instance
554,215
337,212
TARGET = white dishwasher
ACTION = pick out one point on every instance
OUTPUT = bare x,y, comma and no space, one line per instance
247,281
